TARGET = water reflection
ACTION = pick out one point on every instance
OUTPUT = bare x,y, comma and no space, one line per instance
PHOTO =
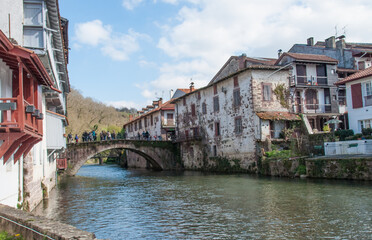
136,204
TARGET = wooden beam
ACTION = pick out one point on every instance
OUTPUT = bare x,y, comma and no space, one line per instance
14,147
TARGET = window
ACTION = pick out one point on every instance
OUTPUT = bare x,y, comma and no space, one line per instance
215,150
33,25
204,108
195,132
365,124
301,74
236,82
187,134
193,113
266,88
238,125
140,124
217,128
311,99
236,95
145,120
135,126
216,104
215,89
321,74
199,96
184,102
368,88
152,120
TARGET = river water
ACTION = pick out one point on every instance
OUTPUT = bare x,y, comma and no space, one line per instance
115,203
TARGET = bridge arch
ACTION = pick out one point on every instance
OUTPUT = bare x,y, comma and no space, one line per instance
160,156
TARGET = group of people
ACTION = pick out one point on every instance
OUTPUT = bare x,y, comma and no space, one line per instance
92,136
146,136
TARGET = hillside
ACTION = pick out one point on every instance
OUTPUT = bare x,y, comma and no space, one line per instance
84,113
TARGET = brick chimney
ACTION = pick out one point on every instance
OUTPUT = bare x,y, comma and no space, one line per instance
340,44
310,41
242,58
330,42
130,117
192,86
280,52
160,102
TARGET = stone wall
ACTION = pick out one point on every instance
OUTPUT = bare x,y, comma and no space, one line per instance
352,168
16,221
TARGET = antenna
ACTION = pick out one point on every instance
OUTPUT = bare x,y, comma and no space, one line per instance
336,30
344,29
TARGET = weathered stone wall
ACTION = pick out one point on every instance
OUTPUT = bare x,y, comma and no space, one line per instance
134,160
41,226
32,183
351,168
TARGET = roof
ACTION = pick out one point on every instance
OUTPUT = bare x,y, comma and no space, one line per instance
250,67
185,90
361,74
308,58
278,116
165,106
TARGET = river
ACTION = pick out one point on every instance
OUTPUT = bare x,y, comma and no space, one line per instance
116,203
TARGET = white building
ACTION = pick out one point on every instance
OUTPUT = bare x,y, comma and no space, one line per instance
359,99
37,26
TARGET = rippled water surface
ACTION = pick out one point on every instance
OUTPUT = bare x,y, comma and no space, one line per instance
115,203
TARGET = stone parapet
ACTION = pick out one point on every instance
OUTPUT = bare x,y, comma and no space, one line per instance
33,227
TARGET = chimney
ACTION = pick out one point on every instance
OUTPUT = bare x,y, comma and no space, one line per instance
340,44
160,102
130,117
330,43
310,41
192,86
241,60
280,53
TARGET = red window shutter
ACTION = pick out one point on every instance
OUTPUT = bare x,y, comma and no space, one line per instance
356,95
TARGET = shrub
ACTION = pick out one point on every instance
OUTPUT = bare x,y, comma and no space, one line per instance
367,131
343,134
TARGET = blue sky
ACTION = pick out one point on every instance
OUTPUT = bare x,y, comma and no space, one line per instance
128,52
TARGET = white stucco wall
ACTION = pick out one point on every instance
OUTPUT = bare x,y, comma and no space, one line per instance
11,181
15,9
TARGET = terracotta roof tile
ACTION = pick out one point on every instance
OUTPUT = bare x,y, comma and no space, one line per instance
278,116
308,57
361,74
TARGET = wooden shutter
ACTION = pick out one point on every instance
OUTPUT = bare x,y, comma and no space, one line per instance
356,95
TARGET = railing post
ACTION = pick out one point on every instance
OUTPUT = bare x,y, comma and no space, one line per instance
20,102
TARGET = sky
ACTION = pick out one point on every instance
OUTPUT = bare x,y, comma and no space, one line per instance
127,53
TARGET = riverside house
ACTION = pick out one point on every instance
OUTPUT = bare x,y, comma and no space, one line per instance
223,123
359,98
34,84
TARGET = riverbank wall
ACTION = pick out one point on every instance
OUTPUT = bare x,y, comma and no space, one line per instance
356,167
33,227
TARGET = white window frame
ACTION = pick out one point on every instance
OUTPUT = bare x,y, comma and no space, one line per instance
33,33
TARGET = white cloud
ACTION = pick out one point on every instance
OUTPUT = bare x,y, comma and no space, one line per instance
117,46
127,104
131,4
208,32
92,33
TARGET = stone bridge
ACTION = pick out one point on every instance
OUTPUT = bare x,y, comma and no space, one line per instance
161,155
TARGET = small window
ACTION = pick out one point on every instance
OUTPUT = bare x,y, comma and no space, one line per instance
193,112
152,120
204,108
215,88
236,97
267,92
33,14
184,101
217,128
238,125
215,150
187,134
199,96
216,104
368,88
236,82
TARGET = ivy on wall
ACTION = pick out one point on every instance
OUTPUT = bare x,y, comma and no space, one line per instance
282,93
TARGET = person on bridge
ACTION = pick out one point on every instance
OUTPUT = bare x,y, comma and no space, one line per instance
76,138
113,135
108,135
69,138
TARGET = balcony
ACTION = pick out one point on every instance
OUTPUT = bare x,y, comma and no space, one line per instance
368,100
170,123
308,81
193,136
313,108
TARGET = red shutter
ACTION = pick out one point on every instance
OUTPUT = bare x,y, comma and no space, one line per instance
356,95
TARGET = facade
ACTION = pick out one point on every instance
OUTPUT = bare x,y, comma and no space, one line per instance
312,87
359,98
37,27
225,120
157,119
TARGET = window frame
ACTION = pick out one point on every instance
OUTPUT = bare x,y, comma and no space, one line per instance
216,104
